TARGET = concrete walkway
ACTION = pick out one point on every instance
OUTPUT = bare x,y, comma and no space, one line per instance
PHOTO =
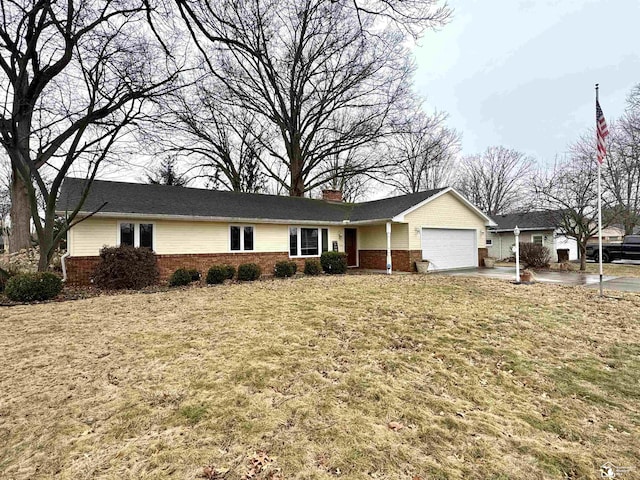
625,284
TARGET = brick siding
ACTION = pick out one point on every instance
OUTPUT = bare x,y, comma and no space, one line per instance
80,269
401,260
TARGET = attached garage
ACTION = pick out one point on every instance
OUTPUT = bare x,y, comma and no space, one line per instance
447,248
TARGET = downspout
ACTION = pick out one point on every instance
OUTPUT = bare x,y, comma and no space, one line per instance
64,265
389,248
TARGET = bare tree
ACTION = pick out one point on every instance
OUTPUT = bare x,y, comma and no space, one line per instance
345,175
326,76
621,171
167,174
495,181
570,189
633,99
220,143
76,76
424,152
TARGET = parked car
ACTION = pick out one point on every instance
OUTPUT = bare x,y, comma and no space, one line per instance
629,249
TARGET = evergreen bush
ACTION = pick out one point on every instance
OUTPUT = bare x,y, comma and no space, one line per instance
312,267
247,272
285,269
334,262
217,274
180,277
30,287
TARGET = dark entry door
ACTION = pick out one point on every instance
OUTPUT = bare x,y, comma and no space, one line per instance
351,246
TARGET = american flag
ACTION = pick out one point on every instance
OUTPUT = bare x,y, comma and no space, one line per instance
603,131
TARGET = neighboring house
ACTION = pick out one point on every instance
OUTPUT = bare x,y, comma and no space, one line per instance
611,234
535,227
197,228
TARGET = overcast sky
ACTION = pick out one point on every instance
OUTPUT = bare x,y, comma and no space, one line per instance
521,73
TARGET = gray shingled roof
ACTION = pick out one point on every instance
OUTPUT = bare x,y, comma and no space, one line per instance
538,220
135,198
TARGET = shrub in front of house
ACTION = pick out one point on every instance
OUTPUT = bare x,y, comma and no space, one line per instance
31,287
285,269
183,276
126,267
248,272
334,262
533,255
195,274
312,267
217,274
4,278
230,271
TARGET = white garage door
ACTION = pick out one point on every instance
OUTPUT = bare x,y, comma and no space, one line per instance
449,248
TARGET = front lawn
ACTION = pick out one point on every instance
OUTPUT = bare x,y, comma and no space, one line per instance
363,377
615,269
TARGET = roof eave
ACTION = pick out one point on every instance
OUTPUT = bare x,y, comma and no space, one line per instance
197,218
522,229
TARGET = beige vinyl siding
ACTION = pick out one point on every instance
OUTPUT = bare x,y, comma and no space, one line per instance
89,236
445,211
374,237
185,237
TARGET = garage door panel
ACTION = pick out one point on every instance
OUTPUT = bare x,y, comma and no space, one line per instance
447,248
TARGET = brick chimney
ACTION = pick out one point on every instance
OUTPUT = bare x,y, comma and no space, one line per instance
332,195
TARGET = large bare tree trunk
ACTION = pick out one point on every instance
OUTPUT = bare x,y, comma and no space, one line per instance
583,255
296,188
20,213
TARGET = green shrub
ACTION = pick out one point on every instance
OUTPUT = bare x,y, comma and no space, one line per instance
312,267
126,267
248,272
216,274
334,262
29,287
4,277
285,269
230,271
195,274
181,276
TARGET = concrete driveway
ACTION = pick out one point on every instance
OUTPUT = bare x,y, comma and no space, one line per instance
624,284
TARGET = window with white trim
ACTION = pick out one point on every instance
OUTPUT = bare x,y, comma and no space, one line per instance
241,238
536,239
489,242
308,241
136,234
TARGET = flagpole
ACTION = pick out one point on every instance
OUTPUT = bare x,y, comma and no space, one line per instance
599,204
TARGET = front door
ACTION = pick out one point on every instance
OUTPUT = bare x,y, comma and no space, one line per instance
351,246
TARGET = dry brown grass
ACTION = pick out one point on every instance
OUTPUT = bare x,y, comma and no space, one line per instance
609,269
615,269
482,378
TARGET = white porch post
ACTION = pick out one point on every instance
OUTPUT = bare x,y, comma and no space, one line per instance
389,248
516,233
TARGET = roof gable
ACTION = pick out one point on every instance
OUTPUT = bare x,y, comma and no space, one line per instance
441,192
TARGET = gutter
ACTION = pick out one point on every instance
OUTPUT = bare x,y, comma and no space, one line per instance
194,218
64,265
